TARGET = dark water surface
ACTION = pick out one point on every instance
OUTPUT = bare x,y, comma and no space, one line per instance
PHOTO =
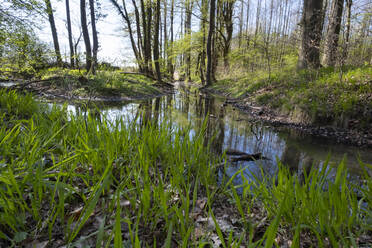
230,128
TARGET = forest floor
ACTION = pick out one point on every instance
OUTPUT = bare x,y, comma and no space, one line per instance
66,84
76,181
325,103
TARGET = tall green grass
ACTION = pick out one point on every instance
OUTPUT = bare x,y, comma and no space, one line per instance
81,180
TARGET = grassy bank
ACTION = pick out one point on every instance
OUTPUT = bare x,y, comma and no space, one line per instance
106,84
342,97
81,181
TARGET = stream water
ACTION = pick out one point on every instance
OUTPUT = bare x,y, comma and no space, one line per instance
230,128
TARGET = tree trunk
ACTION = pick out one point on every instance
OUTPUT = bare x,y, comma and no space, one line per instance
69,30
311,34
330,49
84,27
247,25
347,34
165,51
49,10
125,16
156,41
188,13
140,49
210,76
170,60
95,37
204,12
241,24
257,23
148,41
227,14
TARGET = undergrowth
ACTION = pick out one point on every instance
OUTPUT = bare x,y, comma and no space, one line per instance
326,95
104,83
75,180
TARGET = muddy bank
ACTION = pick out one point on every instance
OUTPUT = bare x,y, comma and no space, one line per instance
350,136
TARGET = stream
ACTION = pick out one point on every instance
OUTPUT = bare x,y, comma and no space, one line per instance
231,129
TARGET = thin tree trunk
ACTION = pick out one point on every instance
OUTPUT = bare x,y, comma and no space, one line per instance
156,41
334,26
170,59
210,76
88,49
241,25
146,35
347,34
247,23
126,18
139,36
49,10
148,41
188,13
204,10
95,36
165,52
69,30
257,23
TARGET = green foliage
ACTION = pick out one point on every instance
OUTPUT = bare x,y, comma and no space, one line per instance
21,53
14,105
325,95
108,84
149,179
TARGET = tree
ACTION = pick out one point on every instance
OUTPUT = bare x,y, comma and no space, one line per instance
331,45
137,49
147,17
156,41
170,64
188,12
49,11
95,36
312,25
209,73
84,27
227,10
348,24
69,30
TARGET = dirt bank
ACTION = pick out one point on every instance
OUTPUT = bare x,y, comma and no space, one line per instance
351,135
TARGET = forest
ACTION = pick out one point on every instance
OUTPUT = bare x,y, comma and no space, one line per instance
195,123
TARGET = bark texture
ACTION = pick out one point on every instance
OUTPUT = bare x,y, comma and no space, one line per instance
84,27
156,41
209,73
95,36
334,26
49,10
69,30
312,25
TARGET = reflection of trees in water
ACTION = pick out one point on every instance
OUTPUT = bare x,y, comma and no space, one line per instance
156,111
297,161
145,112
218,142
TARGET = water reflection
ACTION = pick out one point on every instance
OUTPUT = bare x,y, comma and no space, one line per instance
227,128
7,84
